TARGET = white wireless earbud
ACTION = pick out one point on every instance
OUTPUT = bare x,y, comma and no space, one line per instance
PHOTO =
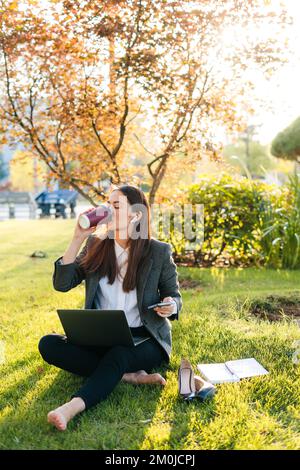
134,219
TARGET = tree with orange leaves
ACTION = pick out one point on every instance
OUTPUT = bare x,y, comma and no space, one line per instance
76,74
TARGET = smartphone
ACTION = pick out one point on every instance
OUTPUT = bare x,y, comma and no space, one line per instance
160,304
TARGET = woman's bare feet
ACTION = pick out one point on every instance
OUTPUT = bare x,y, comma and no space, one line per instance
62,415
141,377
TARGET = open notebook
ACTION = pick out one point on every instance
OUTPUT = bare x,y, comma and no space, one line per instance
231,371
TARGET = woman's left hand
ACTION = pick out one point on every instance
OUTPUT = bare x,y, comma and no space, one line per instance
167,309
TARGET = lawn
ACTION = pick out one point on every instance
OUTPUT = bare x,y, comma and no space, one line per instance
214,326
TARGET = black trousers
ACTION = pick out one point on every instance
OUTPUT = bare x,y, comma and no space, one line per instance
104,366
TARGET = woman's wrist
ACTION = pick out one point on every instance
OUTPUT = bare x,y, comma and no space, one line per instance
72,251
78,240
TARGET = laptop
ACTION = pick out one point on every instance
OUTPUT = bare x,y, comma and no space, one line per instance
97,327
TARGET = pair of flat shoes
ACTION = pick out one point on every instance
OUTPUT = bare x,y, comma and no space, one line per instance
193,386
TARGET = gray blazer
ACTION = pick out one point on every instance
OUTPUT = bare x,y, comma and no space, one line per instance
157,278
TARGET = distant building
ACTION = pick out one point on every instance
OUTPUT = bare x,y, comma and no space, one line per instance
6,154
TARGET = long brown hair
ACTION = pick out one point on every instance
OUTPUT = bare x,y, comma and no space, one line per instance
101,256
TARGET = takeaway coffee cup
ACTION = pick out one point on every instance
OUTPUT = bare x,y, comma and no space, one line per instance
100,215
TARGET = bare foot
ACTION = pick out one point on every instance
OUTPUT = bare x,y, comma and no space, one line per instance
62,415
58,419
141,377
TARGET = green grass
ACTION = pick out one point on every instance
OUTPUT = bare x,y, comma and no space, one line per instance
215,325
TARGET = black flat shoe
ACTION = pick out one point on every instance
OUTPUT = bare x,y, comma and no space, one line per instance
186,380
204,390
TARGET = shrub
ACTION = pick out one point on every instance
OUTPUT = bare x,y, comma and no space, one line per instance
281,228
235,212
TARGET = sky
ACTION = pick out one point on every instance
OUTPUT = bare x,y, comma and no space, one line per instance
283,91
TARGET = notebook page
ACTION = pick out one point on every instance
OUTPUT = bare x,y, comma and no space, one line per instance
217,373
244,368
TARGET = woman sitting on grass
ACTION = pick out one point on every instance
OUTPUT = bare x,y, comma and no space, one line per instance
121,271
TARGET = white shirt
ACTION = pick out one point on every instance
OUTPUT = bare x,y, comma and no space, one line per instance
112,296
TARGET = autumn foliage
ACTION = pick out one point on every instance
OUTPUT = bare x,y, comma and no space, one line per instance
86,85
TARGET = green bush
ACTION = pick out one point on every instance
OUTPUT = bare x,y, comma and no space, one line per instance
246,222
234,219
281,228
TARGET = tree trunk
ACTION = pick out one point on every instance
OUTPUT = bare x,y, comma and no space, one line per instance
158,176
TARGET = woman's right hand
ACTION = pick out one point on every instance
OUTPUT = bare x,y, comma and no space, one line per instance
80,233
